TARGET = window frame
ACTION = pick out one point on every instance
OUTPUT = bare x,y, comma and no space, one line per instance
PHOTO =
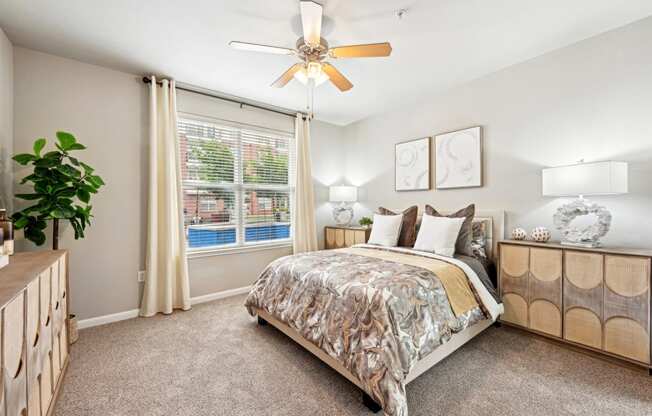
240,188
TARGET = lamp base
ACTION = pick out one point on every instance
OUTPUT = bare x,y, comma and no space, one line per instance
588,236
343,214
593,244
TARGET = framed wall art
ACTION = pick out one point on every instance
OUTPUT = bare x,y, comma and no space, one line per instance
458,159
412,165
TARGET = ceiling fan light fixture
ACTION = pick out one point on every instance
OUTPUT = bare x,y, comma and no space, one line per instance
312,71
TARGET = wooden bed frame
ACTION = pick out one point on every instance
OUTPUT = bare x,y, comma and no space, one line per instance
495,219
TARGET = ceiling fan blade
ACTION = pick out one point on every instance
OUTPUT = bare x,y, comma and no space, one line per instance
311,16
254,47
336,77
287,76
361,51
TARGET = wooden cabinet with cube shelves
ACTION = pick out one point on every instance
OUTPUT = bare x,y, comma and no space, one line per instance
340,237
595,298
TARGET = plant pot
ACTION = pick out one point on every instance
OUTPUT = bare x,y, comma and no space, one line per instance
73,330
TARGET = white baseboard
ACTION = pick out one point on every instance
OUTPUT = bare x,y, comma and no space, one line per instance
219,295
133,313
107,319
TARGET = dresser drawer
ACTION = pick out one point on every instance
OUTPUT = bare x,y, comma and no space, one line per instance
627,307
545,291
583,297
514,270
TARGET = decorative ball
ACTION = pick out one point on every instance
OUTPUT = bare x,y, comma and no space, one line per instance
540,234
519,234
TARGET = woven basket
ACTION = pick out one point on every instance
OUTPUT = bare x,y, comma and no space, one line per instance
73,331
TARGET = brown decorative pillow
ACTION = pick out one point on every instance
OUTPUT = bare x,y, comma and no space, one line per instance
465,237
408,227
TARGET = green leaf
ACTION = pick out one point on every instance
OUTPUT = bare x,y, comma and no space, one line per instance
76,146
46,163
73,160
83,195
88,188
69,171
58,213
39,144
28,178
35,235
24,158
29,197
40,224
52,155
67,192
87,168
23,221
66,140
96,181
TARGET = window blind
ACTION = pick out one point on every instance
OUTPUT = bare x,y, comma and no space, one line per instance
236,183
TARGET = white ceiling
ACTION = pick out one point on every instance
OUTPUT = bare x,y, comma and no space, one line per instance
437,45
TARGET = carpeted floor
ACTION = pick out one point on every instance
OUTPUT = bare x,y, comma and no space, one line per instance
214,360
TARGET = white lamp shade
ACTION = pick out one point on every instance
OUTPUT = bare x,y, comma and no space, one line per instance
598,178
343,194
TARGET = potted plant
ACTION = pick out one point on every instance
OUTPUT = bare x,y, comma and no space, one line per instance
365,222
62,186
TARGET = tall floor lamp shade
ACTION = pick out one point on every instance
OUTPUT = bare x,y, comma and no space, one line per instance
580,180
345,195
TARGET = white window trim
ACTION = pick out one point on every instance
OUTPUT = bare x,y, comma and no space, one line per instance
202,252
240,188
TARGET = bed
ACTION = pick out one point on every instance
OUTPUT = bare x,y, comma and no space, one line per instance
380,316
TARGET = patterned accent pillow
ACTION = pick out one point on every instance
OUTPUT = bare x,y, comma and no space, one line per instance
479,241
408,228
463,244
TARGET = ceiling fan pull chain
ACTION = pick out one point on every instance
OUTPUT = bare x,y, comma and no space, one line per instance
310,102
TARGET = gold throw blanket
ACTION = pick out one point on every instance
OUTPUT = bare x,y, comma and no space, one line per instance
453,278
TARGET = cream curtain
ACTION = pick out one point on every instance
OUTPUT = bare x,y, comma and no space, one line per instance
305,231
166,279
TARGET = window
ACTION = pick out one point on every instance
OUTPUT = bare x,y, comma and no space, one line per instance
236,184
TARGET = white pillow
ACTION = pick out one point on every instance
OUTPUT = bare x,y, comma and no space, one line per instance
386,230
438,234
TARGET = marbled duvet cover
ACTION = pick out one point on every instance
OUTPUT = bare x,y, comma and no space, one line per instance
376,317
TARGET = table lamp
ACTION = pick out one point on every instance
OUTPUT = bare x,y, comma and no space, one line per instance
580,180
345,195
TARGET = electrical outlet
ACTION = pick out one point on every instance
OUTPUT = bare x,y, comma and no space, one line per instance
141,276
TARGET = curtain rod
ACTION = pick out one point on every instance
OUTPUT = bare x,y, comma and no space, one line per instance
148,80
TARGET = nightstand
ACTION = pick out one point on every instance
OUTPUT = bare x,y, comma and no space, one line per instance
336,236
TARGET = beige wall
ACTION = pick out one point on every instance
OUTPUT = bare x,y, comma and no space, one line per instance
591,100
107,110
6,120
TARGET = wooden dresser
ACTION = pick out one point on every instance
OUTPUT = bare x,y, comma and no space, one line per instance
34,348
340,237
595,298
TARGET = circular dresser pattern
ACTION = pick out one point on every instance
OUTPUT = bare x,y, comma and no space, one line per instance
545,317
628,338
584,270
515,261
515,309
545,264
584,327
626,276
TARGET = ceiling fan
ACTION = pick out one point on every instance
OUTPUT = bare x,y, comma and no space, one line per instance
312,50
